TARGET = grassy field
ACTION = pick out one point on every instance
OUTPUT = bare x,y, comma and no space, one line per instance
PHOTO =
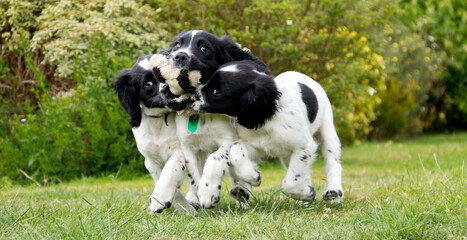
404,190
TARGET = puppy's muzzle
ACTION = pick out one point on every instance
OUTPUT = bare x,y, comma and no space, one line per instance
181,60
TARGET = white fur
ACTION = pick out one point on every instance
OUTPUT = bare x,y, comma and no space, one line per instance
260,73
230,68
163,158
212,139
290,136
145,64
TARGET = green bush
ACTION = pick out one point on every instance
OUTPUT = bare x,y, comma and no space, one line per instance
326,40
412,68
443,26
69,122
387,66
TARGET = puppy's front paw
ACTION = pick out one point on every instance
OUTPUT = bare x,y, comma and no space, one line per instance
208,195
240,194
192,198
299,191
333,196
156,205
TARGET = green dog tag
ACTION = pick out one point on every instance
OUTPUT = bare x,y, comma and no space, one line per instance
193,123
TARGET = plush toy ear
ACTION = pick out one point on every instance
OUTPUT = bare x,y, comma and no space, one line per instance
127,95
258,103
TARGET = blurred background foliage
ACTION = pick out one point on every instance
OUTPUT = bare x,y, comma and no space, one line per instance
392,69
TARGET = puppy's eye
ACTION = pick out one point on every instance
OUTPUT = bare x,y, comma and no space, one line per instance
148,84
216,92
203,48
177,45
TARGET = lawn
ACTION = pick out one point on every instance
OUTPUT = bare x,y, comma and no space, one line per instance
411,189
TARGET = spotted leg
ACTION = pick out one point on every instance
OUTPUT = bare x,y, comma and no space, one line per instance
241,165
297,181
210,183
171,178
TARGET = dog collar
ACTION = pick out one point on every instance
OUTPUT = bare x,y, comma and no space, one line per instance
159,116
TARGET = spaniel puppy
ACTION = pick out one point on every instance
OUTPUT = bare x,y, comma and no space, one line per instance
210,135
278,117
154,130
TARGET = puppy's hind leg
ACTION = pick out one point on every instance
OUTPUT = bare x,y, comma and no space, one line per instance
192,163
331,149
241,191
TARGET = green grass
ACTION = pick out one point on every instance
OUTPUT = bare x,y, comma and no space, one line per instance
403,190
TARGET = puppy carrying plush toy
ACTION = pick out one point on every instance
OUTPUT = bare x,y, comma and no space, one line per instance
181,83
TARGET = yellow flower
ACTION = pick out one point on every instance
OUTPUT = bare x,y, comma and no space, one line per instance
366,49
379,59
349,55
395,59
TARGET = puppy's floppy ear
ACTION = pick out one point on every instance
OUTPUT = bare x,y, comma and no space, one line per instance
233,52
127,94
258,103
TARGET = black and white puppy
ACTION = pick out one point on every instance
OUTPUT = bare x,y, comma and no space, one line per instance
278,117
200,50
154,130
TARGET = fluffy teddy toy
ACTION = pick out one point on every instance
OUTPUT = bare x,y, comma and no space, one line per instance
181,83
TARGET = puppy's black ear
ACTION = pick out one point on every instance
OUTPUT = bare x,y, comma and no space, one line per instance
259,103
233,52
127,94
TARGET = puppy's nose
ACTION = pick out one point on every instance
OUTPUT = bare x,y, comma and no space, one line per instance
181,59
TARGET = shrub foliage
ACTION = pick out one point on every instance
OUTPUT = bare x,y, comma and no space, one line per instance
385,65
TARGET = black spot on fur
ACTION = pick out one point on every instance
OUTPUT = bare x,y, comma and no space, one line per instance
189,175
218,186
207,184
310,100
168,204
296,177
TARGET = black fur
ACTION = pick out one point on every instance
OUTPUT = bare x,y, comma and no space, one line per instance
310,100
184,82
246,93
132,90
